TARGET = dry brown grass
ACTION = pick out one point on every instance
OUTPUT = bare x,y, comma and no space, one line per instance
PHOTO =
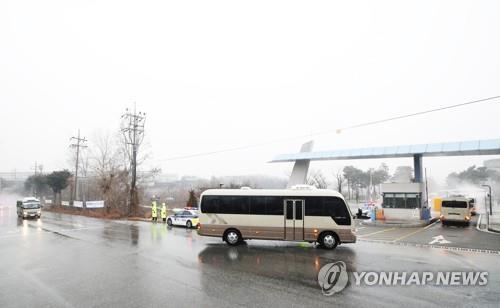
97,213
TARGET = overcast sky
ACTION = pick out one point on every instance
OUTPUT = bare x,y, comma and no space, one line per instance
214,75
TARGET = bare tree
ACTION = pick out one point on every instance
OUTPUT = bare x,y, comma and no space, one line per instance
340,179
111,174
317,179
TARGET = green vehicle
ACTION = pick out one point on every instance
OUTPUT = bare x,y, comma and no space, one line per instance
29,208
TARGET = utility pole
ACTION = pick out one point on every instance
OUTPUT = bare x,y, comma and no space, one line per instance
78,142
133,131
33,186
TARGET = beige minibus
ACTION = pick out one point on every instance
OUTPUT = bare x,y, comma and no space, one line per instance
302,213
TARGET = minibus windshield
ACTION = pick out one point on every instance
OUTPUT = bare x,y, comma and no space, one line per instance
31,205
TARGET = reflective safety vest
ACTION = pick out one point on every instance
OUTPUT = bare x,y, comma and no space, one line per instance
154,211
164,212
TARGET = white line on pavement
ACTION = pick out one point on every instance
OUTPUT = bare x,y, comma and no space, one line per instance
80,229
373,233
415,232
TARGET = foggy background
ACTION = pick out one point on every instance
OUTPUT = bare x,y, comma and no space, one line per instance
213,75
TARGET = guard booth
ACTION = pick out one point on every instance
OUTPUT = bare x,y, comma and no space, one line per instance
403,201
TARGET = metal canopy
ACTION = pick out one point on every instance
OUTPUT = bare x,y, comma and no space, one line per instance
463,148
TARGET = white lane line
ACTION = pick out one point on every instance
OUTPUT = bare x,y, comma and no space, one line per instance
479,222
18,233
415,232
62,222
373,233
80,229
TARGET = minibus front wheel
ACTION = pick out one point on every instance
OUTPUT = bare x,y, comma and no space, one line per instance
232,237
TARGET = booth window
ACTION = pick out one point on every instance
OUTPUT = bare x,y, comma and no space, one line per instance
389,201
401,200
412,201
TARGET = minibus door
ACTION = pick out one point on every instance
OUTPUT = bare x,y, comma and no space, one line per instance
294,220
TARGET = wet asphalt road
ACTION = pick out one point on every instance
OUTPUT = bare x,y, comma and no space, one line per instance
457,236
73,261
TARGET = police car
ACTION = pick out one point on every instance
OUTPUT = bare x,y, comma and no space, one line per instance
365,210
186,218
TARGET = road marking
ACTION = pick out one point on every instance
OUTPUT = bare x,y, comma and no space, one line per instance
377,232
479,222
18,233
439,240
79,229
415,232
62,222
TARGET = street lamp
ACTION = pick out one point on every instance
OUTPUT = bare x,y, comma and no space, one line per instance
489,195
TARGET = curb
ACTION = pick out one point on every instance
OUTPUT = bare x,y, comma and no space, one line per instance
138,219
451,248
494,230
399,225
487,229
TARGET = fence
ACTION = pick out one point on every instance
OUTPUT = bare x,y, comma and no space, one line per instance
97,204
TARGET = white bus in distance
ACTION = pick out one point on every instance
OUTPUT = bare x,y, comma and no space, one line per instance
456,210
302,213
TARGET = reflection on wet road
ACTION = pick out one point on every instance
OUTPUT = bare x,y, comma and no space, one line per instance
73,261
293,263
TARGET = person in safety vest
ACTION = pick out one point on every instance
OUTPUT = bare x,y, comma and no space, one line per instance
154,212
164,212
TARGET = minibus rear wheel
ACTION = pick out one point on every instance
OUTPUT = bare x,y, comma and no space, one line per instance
328,240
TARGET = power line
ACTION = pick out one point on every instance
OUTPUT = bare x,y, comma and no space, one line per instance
338,130
416,114
232,149
38,168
